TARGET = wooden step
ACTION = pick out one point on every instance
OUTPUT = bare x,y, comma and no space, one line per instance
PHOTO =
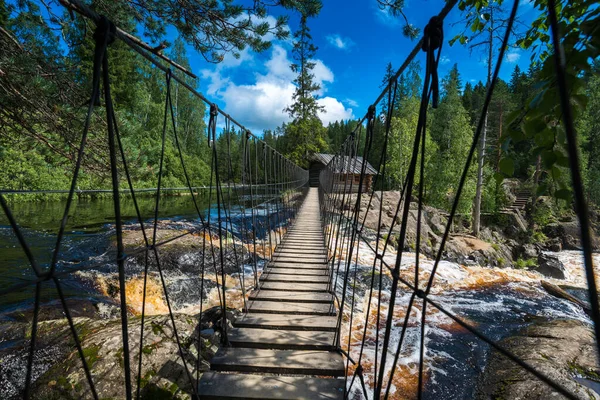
299,297
296,271
293,362
303,260
305,242
217,386
281,339
298,287
273,277
304,265
287,307
301,256
287,322
293,252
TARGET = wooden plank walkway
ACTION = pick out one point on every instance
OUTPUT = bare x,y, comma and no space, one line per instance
283,347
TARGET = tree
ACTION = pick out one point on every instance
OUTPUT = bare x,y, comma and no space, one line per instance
489,22
305,133
213,28
589,126
452,134
3,14
396,9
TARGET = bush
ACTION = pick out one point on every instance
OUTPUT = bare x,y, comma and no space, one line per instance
525,264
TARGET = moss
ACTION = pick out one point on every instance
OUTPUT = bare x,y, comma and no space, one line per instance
63,383
148,349
156,393
157,328
495,246
590,374
173,388
91,355
120,358
501,261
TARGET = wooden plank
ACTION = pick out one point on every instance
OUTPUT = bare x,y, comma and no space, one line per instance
287,322
304,265
295,271
299,297
218,386
292,251
288,307
300,255
293,362
296,260
320,250
299,287
273,277
281,339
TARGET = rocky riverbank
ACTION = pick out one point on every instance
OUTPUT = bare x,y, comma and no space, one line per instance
562,350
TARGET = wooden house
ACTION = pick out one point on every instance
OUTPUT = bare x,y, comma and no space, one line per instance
345,173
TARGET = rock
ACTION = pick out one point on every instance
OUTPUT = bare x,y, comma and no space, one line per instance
163,370
568,233
554,245
551,266
563,350
528,251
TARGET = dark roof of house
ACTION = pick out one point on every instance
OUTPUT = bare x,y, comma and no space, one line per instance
355,164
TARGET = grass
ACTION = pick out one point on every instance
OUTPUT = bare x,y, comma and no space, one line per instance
525,264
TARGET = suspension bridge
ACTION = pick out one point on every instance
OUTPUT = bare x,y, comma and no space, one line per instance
298,336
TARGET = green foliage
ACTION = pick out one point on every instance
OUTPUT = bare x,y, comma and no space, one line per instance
396,9
451,131
305,133
525,264
544,213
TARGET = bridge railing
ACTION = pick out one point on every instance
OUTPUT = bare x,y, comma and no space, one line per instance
346,205
253,194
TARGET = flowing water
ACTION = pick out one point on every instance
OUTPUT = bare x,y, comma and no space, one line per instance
88,244
498,302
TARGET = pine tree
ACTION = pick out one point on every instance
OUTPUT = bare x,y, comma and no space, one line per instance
451,132
305,133
304,106
488,23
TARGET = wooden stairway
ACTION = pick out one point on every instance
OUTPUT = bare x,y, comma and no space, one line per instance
283,348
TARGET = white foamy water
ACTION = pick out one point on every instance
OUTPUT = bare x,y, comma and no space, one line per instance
498,302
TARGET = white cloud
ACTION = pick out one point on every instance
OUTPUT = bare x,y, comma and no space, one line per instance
383,15
334,110
340,42
259,105
513,56
444,60
351,103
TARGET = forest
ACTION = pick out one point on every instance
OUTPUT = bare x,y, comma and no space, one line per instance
45,76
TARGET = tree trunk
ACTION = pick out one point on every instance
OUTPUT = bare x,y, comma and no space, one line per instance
480,159
481,152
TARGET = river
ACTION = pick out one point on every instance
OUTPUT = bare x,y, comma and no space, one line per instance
499,302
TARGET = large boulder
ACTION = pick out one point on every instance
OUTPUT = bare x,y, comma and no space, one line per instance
164,374
563,350
569,234
551,266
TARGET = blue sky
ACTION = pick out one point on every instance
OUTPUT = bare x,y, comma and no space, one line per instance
356,40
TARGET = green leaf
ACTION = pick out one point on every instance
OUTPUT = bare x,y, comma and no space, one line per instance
563,194
548,159
556,172
507,166
498,177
